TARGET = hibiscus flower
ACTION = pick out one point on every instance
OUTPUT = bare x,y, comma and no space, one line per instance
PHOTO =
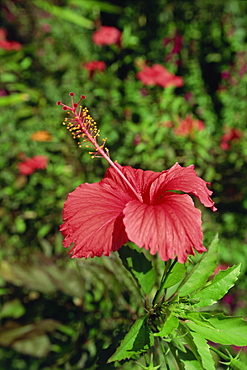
32,164
8,45
150,209
106,35
159,75
231,135
188,126
93,66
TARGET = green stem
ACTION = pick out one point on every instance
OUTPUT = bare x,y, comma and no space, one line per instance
160,291
222,355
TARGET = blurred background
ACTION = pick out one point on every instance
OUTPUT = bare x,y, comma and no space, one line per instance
59,313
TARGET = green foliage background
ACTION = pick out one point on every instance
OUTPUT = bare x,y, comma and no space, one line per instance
59,313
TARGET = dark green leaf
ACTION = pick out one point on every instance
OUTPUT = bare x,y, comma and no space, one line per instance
140,268
175,275
30,339
137,340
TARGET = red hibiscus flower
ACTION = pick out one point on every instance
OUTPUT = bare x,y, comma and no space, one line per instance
146,209
188,126
93,66
8,45
106,35
32,164
231,135
159,75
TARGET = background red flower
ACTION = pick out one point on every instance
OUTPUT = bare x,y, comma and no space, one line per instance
32,164
106,35
188,126
159,75
8,45
232,134
93,66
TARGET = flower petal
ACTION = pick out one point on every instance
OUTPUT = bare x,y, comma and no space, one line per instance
181,179
171,228
94,220
139,179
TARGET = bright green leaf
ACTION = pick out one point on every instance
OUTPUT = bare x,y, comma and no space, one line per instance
220,329
13,309
202,270
102,5
169,326
137,340
203,351
140,268
192,365
13,99
218,287
64,13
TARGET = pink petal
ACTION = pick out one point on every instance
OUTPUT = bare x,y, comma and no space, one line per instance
40,161
171,228
181,179
93,220
26,168
139,179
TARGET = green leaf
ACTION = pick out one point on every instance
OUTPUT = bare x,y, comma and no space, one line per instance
140,268
102,5
137,340
13,99
218,287
203,351
169,326
201,271
219,328
29,339
65,14
13,309
175,275
192,365
38,346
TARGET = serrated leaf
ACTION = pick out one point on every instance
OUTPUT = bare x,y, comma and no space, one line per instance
140,268
218,287
192,365
175,275
202,270
136,341
203,351
169,326
220,329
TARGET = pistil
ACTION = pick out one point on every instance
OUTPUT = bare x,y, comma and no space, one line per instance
83,127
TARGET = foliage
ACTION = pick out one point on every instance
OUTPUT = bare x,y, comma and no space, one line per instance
61,313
